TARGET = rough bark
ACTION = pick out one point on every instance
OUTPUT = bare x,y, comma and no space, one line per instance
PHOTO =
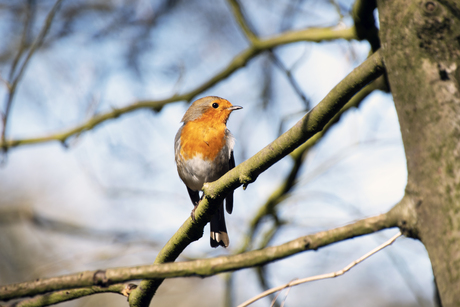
421,48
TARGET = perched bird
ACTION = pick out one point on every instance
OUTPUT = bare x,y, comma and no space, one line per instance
204,152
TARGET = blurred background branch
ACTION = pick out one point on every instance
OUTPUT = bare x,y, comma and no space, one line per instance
15,215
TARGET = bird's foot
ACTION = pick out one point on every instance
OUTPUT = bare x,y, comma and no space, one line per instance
192,214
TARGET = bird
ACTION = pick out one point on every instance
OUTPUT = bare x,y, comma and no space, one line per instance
203,149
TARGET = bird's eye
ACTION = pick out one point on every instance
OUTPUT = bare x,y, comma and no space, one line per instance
215,105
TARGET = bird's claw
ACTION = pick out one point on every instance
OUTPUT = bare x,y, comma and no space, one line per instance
192,214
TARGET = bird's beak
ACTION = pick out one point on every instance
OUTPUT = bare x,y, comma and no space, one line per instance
233,108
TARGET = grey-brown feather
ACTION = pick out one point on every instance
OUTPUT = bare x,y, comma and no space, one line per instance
199,108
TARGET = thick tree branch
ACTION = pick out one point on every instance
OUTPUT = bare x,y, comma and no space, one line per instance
298,156
312,35
201,267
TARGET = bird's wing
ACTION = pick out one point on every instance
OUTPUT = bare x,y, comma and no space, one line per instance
229,198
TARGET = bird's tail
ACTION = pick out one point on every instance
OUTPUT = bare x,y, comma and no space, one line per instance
219,234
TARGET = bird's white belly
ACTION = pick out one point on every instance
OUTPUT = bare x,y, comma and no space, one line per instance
195,172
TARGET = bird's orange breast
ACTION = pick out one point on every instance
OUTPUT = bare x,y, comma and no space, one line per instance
202,137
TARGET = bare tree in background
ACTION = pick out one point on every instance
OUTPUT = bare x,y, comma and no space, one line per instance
414,54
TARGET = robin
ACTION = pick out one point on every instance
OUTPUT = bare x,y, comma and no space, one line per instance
204,152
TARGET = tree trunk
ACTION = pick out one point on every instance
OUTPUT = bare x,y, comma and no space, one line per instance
421,48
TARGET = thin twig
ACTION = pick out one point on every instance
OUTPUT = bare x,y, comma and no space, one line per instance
275,298
7,84
336,6
290,78
261,276
24,38
15,80
285,297
323,276
244,25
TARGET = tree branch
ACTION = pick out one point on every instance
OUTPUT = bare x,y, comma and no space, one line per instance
313,35
71,294
201,267
239,16
24,38
298,155
363,17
